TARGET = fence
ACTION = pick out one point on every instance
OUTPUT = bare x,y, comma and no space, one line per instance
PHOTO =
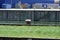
37,16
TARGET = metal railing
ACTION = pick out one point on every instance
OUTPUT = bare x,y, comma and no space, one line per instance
37,16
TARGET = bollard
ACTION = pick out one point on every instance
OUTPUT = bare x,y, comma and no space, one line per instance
28,22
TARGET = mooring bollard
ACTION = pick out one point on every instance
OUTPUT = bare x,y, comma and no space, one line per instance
29,39
28,22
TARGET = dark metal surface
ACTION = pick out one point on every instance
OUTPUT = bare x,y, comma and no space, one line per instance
11,38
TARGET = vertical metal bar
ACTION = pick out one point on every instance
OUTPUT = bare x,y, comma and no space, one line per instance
58,20
32,18
55,17
18,16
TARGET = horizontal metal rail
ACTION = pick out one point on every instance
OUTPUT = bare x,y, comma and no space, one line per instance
30,9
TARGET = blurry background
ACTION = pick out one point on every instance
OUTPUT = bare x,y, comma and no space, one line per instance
23,4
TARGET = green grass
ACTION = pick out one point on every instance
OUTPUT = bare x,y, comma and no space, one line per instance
30,31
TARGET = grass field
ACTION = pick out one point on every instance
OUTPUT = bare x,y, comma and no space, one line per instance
30,31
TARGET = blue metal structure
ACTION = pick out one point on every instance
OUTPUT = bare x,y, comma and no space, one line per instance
13,2
29,1
37,1
1,2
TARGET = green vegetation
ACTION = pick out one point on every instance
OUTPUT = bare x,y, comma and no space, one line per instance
30,31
